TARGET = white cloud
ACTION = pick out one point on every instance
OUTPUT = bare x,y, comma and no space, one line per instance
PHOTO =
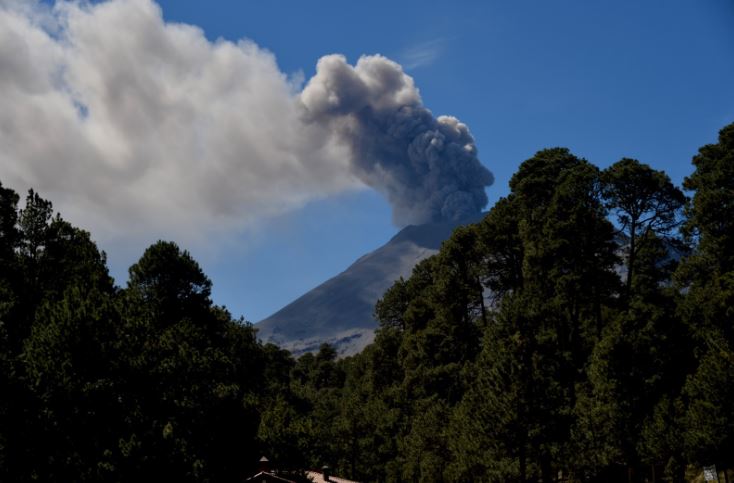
139,129
133,126
423,54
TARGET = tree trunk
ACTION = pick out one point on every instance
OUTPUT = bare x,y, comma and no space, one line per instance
631,261
545,470
481,302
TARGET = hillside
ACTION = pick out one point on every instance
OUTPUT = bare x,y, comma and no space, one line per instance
340,310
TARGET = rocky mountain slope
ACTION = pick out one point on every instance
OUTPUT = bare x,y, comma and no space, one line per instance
340,310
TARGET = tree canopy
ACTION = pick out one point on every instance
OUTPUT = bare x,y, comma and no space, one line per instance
581,331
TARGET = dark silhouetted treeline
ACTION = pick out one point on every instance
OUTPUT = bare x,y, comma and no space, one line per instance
582,331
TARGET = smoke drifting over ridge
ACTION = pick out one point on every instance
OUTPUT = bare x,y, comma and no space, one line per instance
427,167
139,128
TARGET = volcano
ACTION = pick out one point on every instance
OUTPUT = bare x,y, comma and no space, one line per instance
340,311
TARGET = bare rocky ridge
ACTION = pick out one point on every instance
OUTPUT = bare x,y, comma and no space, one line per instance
340,310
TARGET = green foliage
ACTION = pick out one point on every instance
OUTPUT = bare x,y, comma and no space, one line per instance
709,419
169,283
646,205
9,233
33,222
517,353
711,212
708,307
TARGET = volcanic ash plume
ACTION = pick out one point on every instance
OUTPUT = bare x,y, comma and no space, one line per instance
140,129
426,166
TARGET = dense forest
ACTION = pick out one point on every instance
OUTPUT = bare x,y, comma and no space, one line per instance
582,331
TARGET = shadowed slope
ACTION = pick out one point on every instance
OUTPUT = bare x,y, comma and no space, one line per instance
340,310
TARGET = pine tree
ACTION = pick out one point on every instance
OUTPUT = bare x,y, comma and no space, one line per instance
707,277
645,202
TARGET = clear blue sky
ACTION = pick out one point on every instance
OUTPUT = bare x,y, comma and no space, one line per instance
652,80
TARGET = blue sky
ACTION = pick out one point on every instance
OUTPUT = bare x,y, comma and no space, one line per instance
651,80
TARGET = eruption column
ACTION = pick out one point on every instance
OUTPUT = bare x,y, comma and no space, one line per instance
426,166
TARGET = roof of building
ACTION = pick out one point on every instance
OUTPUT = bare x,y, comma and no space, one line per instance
318,477
268,476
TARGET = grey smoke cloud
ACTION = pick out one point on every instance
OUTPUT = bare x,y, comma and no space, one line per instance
137,128
426,166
